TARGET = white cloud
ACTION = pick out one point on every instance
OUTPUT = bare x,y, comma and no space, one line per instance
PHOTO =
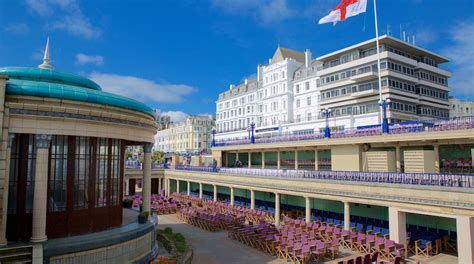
17,28
83,59
275,11
143,90
176,116
461,53
65,15
265,11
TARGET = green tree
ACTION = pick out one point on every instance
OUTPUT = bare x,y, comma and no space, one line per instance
157,157
128,154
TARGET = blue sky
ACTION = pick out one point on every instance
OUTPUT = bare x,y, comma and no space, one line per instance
178,55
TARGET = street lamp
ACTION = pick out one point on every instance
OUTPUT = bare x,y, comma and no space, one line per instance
251,129
213,132
327,113
385,103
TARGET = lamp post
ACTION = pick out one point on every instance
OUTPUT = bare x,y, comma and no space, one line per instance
327,113
213,132
251,129
385,103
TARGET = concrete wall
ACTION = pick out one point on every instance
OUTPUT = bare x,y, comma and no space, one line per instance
346,158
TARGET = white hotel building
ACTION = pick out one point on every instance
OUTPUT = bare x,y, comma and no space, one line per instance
293,88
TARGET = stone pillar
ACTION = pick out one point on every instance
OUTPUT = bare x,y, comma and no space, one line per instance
263,159
278,160
308,209
232,196
146,184
177,185
397,225
436,158
127,186
465,239
159,185
3,230
40,195
250,159
277,209
347,215
189,188
252,199
316,165
296,159
167,186
200,190
397,158
215,193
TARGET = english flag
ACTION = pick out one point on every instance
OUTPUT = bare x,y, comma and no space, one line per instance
345,9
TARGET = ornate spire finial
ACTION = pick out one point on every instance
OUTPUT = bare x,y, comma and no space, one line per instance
46,59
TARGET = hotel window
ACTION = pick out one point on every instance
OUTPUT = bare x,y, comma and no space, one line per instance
101,172
308,101
307,86
298,103
297,88
309,116
58,174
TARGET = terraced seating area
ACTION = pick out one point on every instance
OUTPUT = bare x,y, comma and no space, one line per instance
159,203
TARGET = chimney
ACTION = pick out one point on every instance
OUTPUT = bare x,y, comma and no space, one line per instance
231,87
246,81
259,73
413,40
307,58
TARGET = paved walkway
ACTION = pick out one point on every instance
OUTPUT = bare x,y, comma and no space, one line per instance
215,247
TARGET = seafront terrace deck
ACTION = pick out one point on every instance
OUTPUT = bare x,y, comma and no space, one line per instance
411,127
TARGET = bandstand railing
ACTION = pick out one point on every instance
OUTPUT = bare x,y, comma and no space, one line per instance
425,179
399,128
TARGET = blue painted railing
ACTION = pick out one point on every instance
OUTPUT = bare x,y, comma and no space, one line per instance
427,179
399,128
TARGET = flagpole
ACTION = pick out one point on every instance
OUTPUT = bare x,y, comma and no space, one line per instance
378,62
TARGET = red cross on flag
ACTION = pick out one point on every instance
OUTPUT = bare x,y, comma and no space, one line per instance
345,9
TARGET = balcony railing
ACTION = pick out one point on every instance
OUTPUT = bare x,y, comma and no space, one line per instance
417,179
400,128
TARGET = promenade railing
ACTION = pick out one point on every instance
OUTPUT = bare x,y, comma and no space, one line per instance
426,179
399,128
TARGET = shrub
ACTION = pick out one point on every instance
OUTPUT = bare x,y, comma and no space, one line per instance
179,237
181,246
143,217
168,231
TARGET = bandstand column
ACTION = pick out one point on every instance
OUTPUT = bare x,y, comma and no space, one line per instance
3,230
250,160
189,188
308,209
296,159
397,225
278,160
465,239
397,158
159,185
316,165
146,184
177,186
215,193
347,215
40,195
127,184
252,199
200,190
436,158
277,209
232,196
263,159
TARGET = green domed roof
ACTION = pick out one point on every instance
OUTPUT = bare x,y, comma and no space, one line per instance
50,83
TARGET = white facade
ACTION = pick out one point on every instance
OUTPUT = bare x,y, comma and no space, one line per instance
292,89
458,108
188,136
